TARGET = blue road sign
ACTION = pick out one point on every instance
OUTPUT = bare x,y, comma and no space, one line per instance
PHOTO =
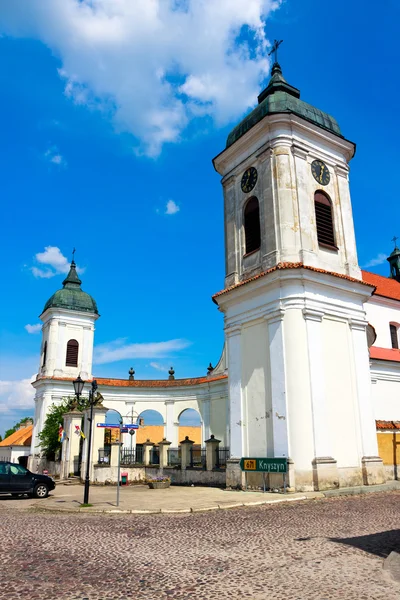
116,426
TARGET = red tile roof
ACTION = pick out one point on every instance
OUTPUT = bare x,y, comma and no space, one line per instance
21,437
288,265
384,353
388,425
389,288
146,383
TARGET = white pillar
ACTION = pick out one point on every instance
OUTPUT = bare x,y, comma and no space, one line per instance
233,337
278,385
171,426
61,349
205,420
322,438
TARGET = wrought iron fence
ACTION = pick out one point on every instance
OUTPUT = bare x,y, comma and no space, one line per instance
104,455
155,455
174,457
198,457
221,457
132,456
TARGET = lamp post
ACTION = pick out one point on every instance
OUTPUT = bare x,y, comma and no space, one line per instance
78,387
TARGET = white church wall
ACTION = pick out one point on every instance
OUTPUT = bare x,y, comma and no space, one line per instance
218,420
254,367
380,313
301,447
340,389
385,389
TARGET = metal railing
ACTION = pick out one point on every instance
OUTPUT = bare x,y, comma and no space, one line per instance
132,456
104,456
221,457
198,457
174,457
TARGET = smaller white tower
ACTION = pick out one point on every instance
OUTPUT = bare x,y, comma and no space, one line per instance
67,347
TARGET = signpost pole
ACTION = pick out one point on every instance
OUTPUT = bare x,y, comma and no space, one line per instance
264,481
284,483
119,464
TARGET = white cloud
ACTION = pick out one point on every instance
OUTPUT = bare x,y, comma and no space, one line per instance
33,328
152,66
171,208
52,257
378,260
16,395
159,367
119,350
53,156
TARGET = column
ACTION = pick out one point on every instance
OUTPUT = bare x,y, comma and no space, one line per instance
372,466
171,426
147,448
71,444
212,446
205,410
235,391
99,415
308,233
325,471
186,446
85,351
163,446
278,385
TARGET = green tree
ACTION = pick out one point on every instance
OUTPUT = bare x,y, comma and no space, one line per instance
16,426
49,436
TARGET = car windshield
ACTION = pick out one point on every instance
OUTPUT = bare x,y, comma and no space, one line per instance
18,470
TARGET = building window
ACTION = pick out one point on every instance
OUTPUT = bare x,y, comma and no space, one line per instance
72,354
44,354
394,336
252,225
324,220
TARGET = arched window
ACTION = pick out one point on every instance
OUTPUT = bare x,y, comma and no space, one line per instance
394,336
72,354
44,354
252,225
324,220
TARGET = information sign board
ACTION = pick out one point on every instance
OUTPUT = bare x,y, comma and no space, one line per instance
264,465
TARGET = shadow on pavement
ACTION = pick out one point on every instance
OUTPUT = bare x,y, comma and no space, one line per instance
381,544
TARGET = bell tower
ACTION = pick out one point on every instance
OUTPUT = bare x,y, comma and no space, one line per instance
293,302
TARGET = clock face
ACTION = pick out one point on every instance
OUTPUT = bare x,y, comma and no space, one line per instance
320,172
249,179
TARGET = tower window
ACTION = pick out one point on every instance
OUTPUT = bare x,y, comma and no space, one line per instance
72,354
252,225
44,353
394,336
324,220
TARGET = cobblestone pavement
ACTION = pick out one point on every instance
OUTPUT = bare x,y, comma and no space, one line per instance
316,550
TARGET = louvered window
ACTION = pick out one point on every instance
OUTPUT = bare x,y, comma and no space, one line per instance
44,354
72,354
324,220
252,225
394,336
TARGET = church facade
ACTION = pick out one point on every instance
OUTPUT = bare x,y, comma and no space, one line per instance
311,365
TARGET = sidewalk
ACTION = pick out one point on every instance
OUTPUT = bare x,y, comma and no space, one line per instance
176,499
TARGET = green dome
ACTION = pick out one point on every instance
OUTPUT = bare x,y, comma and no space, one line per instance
71,296
280,97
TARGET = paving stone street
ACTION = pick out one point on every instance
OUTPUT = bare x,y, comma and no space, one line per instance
316,550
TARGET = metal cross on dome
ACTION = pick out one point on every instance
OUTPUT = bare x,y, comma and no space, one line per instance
274,50
394,240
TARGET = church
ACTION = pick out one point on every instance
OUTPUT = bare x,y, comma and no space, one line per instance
310,370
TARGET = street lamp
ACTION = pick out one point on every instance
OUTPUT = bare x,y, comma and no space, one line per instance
78,387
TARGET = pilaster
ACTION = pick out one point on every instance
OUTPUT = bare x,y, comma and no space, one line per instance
233,337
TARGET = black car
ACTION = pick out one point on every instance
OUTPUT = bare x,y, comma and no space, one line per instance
16,480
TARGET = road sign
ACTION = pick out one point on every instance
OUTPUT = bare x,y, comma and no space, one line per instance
116,426
264,465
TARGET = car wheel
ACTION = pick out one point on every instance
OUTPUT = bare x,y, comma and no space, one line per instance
41,491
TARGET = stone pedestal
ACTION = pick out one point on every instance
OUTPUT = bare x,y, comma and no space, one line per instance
163,446
147,447
71,443
99,416
212,446
325,473
373,470
235,477
186,446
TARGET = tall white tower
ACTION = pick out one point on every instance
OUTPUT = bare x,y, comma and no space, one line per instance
299,381
67,346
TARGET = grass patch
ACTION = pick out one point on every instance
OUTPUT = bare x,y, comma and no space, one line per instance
86,505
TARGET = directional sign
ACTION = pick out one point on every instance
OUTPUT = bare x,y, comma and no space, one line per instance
116,426
264,465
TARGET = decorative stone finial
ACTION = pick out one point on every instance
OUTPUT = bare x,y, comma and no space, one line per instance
171,373
210,368
131,374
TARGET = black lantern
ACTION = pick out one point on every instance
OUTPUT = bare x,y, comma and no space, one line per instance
78,386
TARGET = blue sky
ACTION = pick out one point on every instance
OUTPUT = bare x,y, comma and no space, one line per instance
110,118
